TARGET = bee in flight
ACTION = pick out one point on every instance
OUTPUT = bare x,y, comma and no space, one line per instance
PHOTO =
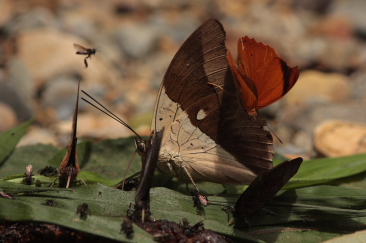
85,51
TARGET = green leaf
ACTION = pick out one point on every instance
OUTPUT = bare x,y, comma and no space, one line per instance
92,177
105,219
355,237
110,158
10,138
325,208
36,155
104,159
320,171
112,164
45,181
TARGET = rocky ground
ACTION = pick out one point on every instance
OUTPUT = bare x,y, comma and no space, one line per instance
323,115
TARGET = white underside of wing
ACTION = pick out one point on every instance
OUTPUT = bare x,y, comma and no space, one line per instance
186,146
165,112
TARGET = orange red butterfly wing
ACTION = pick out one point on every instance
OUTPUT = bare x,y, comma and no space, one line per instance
245,87
261,76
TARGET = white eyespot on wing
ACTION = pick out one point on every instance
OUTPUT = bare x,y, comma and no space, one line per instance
201,115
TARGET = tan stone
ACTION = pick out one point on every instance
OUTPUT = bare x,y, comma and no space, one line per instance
92,125
37,135
8,117
7,10
315,86
335,138
49,52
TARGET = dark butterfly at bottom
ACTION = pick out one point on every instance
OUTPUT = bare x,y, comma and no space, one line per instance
264,188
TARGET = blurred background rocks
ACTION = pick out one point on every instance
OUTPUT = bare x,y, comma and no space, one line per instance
323,115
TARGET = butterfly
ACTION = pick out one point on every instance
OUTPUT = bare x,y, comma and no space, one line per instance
69,168
207,135
265,187
85,51
261,76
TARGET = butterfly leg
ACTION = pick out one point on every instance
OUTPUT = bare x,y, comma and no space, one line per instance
80,180
191,179
273,213
233,221
171,168
55,180
226,209
68,181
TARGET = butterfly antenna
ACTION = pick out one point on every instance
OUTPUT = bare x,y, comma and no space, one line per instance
128,168
143,215
232,220
108,113
274,134
258,116
218,86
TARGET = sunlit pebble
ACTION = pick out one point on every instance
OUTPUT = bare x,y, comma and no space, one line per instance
8,117
37,135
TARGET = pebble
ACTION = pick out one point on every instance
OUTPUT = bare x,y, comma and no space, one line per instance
353,10
313,5
137,39
307,118
304,140
337,138
20,79
91,125
319,88
359,86
37,135
60,94
8,118
7,9
10,96
49,52
37,17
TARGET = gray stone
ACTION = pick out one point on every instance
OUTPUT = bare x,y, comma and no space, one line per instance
307,118
10,96
60,94
354,10
137,39
8,118
20,79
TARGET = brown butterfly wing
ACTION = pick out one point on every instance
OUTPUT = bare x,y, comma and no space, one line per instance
265,187
207,133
